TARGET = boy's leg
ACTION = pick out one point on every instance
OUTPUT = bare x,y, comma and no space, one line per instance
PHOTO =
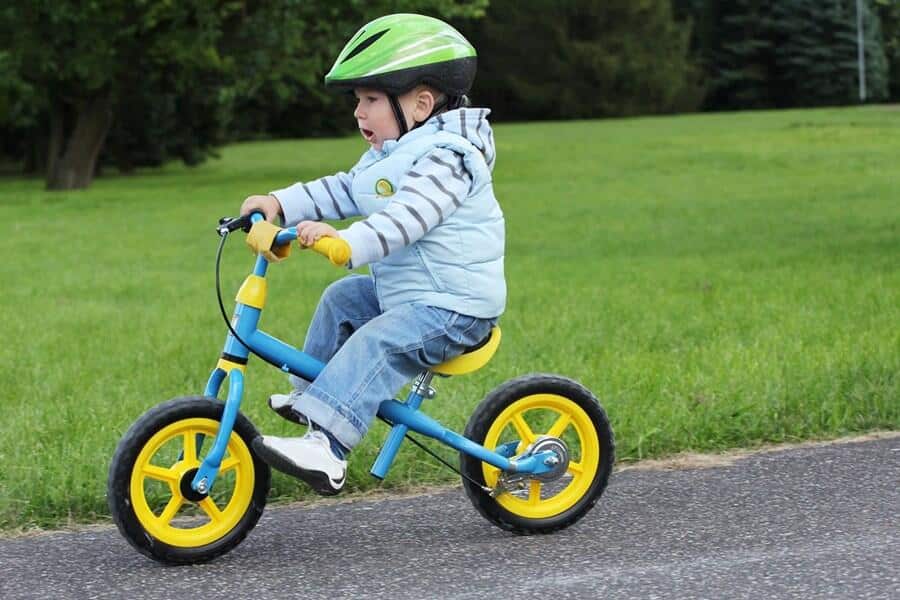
371,366
383,355
344,307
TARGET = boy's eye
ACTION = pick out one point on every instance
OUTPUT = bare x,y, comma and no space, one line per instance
371,98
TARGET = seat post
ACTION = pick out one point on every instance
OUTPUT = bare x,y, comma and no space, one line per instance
417,393
422,388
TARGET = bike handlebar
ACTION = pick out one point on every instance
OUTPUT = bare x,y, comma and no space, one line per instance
335,250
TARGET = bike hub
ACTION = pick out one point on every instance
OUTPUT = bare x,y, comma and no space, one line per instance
187,491
558,463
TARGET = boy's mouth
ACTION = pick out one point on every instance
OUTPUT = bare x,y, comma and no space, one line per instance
368,134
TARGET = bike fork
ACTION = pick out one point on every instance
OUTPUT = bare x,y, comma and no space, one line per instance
206,475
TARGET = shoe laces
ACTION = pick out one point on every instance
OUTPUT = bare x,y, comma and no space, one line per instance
321,437
314,434
318,435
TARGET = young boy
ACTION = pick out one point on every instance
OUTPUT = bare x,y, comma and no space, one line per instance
433,236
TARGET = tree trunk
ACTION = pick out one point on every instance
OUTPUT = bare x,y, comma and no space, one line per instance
57,134
76,166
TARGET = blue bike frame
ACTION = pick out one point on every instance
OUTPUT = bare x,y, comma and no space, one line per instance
404,416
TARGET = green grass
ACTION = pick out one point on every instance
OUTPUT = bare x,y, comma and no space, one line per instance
718,280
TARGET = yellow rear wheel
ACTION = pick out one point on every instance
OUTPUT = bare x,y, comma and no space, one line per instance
525,420
516,415
149,489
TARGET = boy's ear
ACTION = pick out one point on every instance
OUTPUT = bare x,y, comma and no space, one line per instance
424,105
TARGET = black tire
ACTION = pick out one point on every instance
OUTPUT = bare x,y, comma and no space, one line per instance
246,465
577,503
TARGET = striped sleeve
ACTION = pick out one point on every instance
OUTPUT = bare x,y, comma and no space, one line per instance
325,198
427,194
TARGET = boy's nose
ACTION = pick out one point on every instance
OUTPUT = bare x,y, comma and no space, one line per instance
357,113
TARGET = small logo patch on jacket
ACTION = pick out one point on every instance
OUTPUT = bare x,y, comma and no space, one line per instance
383,187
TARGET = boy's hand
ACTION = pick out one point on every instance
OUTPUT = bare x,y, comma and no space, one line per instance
268,205
308,232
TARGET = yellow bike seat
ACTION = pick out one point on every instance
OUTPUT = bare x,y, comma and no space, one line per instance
472,359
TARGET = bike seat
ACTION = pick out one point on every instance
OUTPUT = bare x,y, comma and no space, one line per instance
473,358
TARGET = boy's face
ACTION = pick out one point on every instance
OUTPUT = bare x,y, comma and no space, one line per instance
375,117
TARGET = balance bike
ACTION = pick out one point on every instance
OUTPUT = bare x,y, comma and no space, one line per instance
185,486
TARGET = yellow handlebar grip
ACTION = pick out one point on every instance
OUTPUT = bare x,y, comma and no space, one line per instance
335,249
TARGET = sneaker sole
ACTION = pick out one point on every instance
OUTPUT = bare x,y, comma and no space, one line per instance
286,412
318,481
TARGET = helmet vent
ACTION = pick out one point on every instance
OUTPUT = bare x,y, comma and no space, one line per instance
364,44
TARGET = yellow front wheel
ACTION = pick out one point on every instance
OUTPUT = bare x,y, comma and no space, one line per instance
149,488
540,409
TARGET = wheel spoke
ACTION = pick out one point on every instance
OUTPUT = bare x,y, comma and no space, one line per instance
523,429
210,508
190,447
534,492
229,463
561,423
171,509
492,473
575,469
160,473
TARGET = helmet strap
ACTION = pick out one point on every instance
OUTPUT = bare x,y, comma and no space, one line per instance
398,113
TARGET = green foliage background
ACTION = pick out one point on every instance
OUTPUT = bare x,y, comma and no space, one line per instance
582,59
785,53
186,77
182,76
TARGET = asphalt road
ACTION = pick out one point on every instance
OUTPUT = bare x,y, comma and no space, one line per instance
818,522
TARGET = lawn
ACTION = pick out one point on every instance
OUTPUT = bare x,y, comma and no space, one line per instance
719,281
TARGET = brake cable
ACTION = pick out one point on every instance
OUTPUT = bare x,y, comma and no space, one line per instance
428,450
224,233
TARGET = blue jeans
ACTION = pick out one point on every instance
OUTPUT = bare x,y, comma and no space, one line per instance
371,354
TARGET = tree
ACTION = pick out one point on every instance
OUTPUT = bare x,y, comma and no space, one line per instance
889,14
781,53
160,79
816,53
740,54
580,58
82,61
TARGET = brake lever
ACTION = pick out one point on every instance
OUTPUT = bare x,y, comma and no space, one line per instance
229,224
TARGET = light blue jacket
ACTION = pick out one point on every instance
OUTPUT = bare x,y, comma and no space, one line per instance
433,232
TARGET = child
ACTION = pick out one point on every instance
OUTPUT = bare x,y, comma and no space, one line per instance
433,236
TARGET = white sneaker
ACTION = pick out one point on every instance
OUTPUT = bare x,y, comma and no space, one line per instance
309,457
283,405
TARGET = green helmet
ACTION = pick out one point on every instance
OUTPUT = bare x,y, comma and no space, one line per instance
397,52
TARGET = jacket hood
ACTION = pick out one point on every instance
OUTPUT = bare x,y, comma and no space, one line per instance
468,123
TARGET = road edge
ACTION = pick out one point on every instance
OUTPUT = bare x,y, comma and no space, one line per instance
679,461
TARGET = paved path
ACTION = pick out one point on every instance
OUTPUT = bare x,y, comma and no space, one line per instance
818,522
